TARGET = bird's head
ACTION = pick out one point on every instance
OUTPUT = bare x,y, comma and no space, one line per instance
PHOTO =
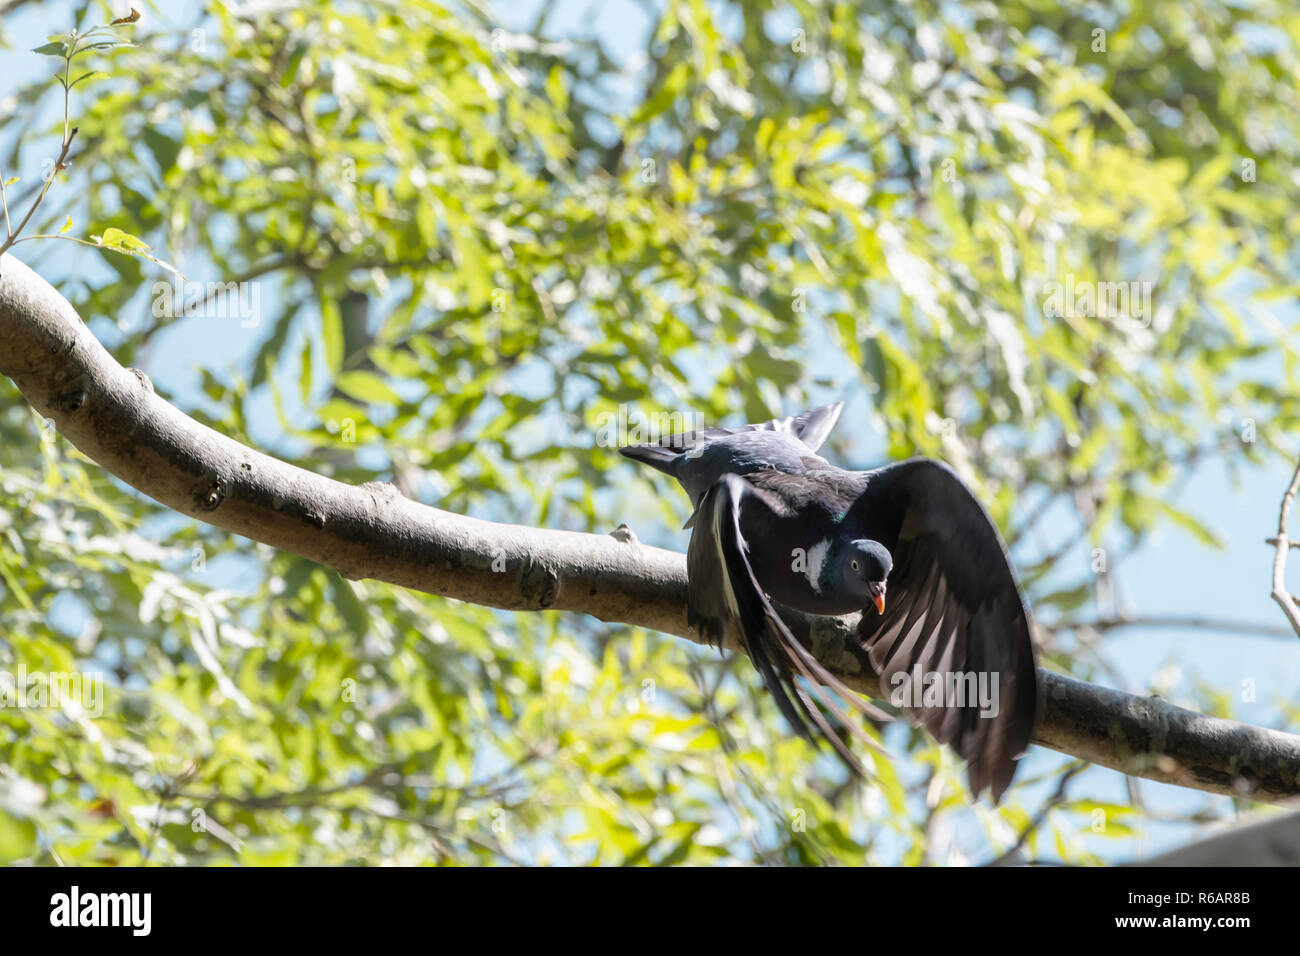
864,566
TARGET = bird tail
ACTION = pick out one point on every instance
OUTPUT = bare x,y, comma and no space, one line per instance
660,456
812,428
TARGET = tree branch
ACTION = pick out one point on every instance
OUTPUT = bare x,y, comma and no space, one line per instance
1281,543
113,416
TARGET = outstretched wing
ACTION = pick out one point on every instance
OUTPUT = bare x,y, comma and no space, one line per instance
811,428
722,588
952,610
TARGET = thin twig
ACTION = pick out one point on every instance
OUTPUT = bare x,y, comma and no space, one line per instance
1179,623
1282,545
4,201
1011,855
59,165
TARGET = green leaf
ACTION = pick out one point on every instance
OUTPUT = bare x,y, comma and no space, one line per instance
305,369
349,606
87,76
127,244
366,387
116,239
164,148
332,333
1189,523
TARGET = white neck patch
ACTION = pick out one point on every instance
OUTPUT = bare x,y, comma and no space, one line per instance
816,560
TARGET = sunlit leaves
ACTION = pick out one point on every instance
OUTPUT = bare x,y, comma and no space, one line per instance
869,208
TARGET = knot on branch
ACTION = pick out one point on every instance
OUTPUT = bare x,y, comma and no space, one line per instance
143,378
539,585
212,496
385,490
71,400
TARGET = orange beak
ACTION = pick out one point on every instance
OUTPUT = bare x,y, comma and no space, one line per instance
879,601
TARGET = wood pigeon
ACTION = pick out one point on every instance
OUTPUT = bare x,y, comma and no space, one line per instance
943,622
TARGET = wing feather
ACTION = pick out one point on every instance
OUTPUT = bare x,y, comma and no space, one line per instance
953,609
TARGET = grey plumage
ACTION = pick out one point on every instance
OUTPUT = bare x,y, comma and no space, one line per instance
775,521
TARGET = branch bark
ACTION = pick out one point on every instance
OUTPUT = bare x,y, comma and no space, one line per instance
113,416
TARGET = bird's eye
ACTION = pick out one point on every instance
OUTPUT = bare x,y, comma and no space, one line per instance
854,565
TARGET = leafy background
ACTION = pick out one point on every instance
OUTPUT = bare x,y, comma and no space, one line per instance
473,232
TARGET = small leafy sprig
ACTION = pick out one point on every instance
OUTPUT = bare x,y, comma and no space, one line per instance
68,47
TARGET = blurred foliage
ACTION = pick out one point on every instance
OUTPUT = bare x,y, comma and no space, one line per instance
470,242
